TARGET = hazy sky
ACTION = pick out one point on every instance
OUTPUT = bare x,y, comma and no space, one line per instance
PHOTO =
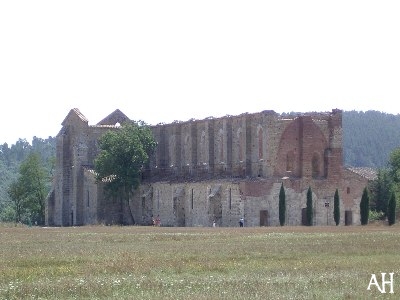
160,61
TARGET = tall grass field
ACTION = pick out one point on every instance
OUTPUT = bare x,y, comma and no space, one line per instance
114,262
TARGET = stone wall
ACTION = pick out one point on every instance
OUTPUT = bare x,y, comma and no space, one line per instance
76,149
213,169
249,145
226,201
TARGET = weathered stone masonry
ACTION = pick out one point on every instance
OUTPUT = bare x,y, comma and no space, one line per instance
213,169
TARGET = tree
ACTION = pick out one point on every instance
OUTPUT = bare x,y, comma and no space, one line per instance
381,191
17,199
364,207
9,174
391,210
336,207
33,179
394,171
309,209
123,155
28,192
11,158
21,149
282,206
394,165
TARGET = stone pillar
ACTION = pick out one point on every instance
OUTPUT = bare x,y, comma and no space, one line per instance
66,181
58,183
162,153
178,150
334,156
193,130
229,145
249,137
211,146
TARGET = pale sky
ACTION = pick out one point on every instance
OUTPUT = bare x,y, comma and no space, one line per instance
160,61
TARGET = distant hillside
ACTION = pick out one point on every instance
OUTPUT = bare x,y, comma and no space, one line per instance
369,138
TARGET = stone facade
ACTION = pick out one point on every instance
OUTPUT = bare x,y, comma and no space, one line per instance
218,169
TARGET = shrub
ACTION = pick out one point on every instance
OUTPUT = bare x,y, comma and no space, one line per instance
336,208
375,215
364,207
282,206
391,209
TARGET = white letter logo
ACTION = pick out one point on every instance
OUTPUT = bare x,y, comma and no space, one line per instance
373,281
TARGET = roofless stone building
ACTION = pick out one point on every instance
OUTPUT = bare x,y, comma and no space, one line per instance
218,169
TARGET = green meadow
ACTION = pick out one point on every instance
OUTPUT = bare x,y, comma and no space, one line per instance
101,262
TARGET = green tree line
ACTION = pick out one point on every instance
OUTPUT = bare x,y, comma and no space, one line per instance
26,171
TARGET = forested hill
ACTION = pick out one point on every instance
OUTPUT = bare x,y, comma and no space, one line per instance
369,138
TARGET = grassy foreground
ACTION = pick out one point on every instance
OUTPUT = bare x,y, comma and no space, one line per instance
197,263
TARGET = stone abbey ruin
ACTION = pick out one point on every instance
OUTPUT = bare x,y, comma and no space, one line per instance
216,169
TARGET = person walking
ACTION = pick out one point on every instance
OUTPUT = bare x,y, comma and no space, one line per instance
241,222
